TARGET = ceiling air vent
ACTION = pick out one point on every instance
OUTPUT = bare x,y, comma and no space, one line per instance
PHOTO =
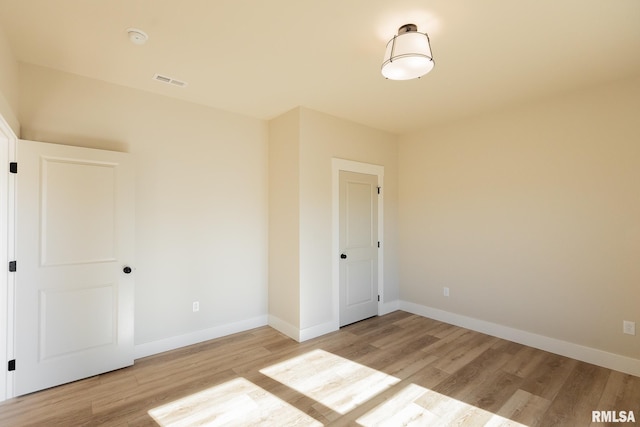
169,80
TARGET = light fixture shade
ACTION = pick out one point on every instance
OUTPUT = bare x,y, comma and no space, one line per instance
408,55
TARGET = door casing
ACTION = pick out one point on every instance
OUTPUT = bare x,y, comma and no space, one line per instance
7,253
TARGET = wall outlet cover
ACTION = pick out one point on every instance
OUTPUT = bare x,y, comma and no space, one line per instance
629,327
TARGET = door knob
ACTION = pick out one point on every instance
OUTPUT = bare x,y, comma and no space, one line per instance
343,256
126,269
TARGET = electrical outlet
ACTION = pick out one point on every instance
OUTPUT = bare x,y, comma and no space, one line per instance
629,327
445,291
196,306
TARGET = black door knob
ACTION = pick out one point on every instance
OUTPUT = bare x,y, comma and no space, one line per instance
343,256
126,269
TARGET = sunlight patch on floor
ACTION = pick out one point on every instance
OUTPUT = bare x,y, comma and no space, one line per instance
417,406
238,402
335,382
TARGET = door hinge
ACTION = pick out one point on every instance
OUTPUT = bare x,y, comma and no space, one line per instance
378,244
378,298
11,366
13,266
379,190
13,167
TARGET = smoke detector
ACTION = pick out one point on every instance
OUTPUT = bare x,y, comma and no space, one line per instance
137,36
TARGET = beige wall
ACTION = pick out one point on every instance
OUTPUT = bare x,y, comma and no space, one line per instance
201,195
284,222
303,143
8,85
323,137
208,191
531,217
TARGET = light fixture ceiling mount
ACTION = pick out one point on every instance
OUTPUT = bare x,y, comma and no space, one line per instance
408,55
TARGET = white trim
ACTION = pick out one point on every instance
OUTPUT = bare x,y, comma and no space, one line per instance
389,307
284,327
166,344
317,330
7,252
301,335
575,351
338,165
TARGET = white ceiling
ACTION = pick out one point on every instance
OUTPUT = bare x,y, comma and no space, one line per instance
263,57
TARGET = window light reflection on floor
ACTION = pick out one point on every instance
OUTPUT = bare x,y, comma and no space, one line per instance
417,406
238,402
334,381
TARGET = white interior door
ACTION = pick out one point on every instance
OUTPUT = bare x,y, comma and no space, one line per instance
358,222
74,236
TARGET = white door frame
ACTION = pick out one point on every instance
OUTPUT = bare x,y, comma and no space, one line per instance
338,165
7,252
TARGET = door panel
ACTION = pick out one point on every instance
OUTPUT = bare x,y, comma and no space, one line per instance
74,234
359,276
359,200
96,307
78,200
359,244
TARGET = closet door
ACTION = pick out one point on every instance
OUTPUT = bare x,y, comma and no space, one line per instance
358,246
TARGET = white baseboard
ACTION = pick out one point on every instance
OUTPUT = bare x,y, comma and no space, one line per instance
305,334
575,351
586,354
284,327
301,335
318,330
166,344
388,307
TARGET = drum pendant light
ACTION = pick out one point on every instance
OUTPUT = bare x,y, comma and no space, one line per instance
408,55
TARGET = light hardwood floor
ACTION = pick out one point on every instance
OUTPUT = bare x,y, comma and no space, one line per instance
390,370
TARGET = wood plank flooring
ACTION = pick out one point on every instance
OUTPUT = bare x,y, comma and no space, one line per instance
398,369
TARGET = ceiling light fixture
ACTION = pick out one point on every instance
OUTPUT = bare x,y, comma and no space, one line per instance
408,55
137,36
